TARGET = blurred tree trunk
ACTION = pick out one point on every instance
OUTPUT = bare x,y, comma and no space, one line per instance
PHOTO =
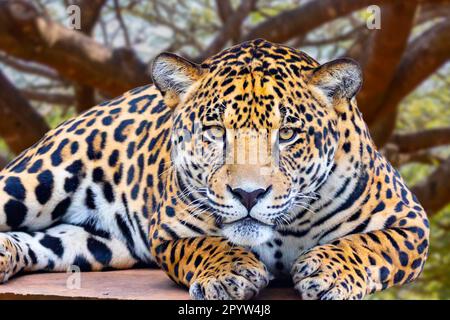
90,12
224,9
381,53
21,125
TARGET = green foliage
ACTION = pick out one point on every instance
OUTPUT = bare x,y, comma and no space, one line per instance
4,150
427,107
269,11
59,115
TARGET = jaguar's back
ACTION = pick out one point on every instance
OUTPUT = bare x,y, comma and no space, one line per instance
88,183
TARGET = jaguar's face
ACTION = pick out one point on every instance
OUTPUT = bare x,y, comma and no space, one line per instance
252,141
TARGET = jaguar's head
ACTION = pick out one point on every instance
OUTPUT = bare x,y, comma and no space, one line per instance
255,131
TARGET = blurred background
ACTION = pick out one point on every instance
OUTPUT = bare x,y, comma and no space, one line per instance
60,57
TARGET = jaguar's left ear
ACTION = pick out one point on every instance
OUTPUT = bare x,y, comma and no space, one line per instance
336,80
173,76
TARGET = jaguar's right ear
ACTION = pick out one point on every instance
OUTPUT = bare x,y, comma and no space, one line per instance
336,81
173,75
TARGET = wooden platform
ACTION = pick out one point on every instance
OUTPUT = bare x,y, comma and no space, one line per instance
137,284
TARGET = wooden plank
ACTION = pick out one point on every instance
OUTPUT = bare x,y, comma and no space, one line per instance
136,284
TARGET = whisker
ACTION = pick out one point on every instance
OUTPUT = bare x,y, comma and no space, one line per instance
303,207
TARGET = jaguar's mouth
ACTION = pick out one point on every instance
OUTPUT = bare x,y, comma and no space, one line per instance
247,231
248,220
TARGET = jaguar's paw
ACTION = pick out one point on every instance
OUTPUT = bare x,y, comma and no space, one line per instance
6,261
323,274
230,282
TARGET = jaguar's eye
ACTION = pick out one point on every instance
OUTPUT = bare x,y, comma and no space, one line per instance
287,135
215,133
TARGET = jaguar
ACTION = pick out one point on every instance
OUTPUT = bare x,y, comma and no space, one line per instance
253,165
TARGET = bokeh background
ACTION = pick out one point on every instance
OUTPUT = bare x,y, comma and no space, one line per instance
57,60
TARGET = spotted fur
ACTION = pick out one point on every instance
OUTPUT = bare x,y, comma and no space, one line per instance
145,178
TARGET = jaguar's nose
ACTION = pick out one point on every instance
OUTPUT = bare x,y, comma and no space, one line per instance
248,198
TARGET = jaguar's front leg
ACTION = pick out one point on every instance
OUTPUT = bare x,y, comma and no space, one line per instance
359,264
212,268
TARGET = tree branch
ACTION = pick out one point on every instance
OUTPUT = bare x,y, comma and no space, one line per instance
299,21
295,22
230,30
224,9
354,33
90,13
422,58
397,159
430,11
23,66
27,34
423,156
424,139
118,12
52,98
24,126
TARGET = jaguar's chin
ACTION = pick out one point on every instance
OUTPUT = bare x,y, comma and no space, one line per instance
247,232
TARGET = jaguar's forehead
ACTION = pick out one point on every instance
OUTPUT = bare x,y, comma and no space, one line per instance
254,84
259,54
